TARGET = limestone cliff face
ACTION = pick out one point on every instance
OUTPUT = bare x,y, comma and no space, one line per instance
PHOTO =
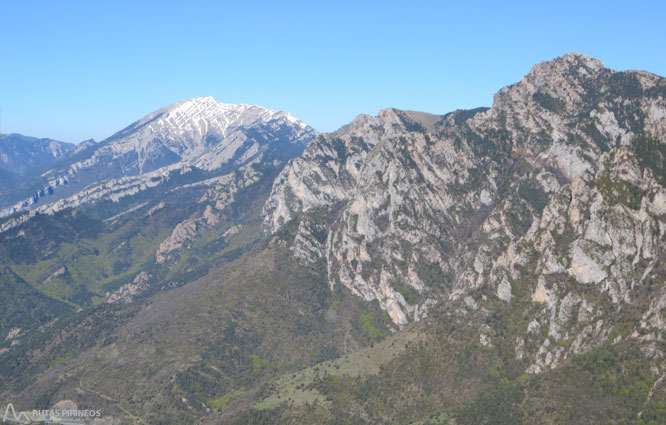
590,257
410,209
329,168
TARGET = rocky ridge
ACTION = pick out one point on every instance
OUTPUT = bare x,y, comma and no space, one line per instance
426,205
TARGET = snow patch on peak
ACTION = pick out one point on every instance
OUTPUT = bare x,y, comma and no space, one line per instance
190,128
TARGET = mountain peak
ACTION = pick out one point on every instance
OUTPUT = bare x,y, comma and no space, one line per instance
575,57
207,108
568,64
206,101
386,121
565,80
189,128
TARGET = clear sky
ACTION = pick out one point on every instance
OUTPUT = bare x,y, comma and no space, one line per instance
75,70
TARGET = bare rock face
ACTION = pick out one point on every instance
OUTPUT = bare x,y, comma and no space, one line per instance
410,209
329,167
126,293
587,256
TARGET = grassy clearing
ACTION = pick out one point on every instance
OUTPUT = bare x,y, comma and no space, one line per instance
293,387
221,402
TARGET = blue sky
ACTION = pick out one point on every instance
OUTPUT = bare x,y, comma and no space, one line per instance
74,70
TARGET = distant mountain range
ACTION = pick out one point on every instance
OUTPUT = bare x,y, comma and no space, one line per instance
20,156
20,153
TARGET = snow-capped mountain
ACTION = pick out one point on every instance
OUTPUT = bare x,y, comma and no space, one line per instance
200,132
